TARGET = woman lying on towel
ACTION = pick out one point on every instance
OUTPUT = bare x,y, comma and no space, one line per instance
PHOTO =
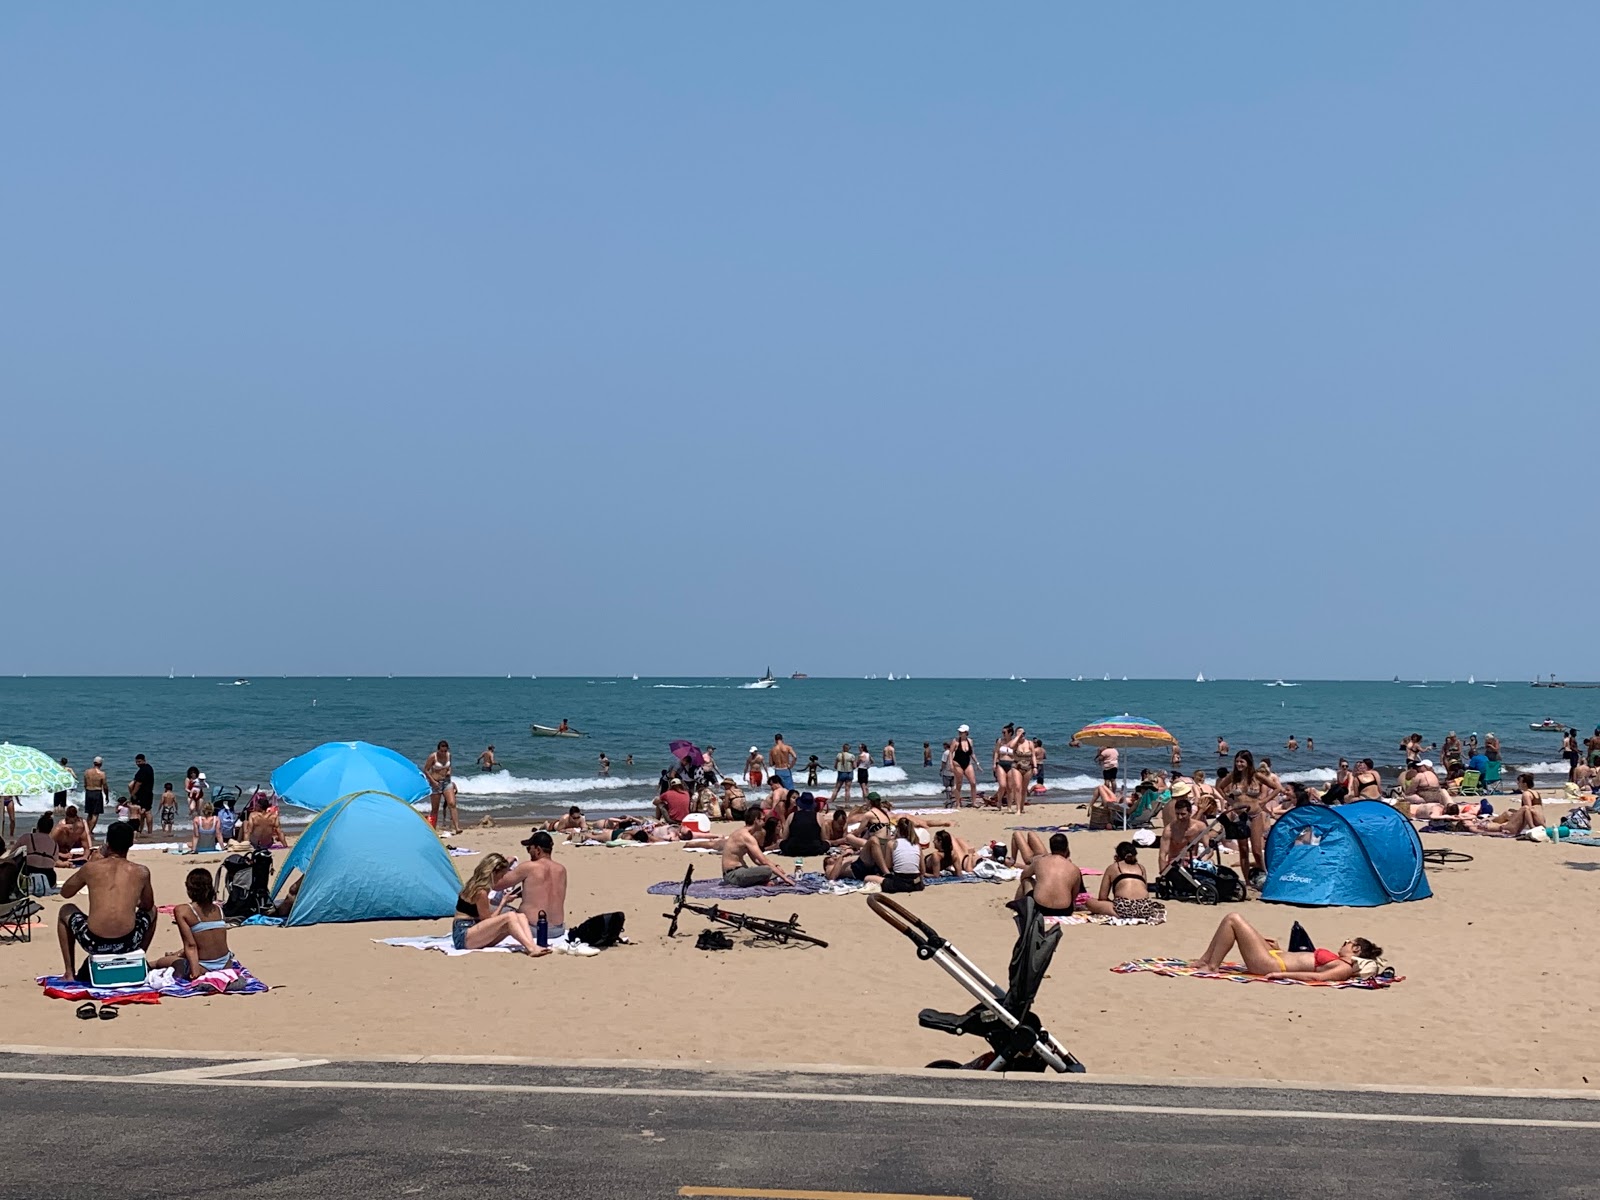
1124,888
1357,958
478,923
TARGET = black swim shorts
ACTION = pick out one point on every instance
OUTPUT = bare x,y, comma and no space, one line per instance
78,926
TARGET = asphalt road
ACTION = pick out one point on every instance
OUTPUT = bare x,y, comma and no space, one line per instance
307,1129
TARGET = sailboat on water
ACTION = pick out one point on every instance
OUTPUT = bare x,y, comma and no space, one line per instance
1200,678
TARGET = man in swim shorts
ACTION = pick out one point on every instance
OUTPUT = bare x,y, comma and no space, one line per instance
737,847
122,905
94,793
1054,879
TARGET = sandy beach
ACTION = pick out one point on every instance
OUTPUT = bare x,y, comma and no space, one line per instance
1501,966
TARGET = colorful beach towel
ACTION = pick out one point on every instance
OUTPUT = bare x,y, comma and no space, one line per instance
1235,973
1048,828
1580,841
232,981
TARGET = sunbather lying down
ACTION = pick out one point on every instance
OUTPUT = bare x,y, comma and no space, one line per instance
1262,956
1512,823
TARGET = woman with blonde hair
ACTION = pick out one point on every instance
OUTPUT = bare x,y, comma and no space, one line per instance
479,923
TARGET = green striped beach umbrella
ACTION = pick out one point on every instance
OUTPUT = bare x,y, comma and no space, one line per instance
25,771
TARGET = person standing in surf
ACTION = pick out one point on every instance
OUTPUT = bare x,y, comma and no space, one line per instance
962,753
442,789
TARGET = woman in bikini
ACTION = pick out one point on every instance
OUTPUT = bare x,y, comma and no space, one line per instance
961,756
1000,760
1263,957
951,854
204,932
1368,783
204,838
1022,764
1244,798
478,923
1125,890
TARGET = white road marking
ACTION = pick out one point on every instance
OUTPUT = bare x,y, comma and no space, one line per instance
837,1070
221,1070
181,1079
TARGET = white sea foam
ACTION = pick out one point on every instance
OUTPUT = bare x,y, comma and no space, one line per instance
1544,768
503,783
1314,775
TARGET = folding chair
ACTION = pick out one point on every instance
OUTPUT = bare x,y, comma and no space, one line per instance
16,906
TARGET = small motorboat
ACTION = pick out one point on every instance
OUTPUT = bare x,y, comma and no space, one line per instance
766,681
1548,725
553,731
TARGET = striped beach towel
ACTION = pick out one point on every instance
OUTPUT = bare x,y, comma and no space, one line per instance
1235,973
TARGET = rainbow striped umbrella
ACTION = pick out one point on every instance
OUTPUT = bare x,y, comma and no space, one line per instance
1123,733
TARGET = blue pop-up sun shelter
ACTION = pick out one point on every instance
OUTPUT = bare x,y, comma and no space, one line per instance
1358,855
370,857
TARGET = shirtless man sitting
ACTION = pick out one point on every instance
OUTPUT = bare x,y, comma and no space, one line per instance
1053,878
1180,832
544,884
745,844
122,906
74,845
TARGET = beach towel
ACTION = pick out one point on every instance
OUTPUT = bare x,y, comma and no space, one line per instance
1235,973
1580,841
459,851
445,945
1157,918
233,981
1048,828
261,919
809,884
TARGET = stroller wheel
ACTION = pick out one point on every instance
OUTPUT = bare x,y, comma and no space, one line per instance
945,1064
1208,891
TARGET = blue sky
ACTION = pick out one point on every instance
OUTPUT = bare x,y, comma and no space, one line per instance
693,338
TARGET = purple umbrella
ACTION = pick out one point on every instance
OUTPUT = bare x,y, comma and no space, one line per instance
680,749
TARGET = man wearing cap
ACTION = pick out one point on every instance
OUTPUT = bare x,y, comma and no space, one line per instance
754,767
94,793
544,884
782,759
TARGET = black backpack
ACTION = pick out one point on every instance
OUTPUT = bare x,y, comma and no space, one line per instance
244,883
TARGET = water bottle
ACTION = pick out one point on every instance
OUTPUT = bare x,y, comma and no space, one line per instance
799,866
541,932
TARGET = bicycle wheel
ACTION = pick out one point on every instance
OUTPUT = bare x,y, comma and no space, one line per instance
1442,856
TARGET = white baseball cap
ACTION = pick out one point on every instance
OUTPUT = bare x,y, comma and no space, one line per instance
963,729
1426,764
753,750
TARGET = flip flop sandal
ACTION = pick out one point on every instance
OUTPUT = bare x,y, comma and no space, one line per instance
107,1013
86,1011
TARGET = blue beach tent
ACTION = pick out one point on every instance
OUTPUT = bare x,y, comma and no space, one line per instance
370,857
1357,855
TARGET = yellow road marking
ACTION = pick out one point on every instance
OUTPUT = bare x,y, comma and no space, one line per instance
801,1194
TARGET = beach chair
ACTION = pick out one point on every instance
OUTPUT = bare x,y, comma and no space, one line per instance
1491,778
1135,813
1004,1018
1471,785
16,906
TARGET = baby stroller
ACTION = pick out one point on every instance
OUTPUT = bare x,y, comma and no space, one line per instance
1003,1018
1199,881
243,882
